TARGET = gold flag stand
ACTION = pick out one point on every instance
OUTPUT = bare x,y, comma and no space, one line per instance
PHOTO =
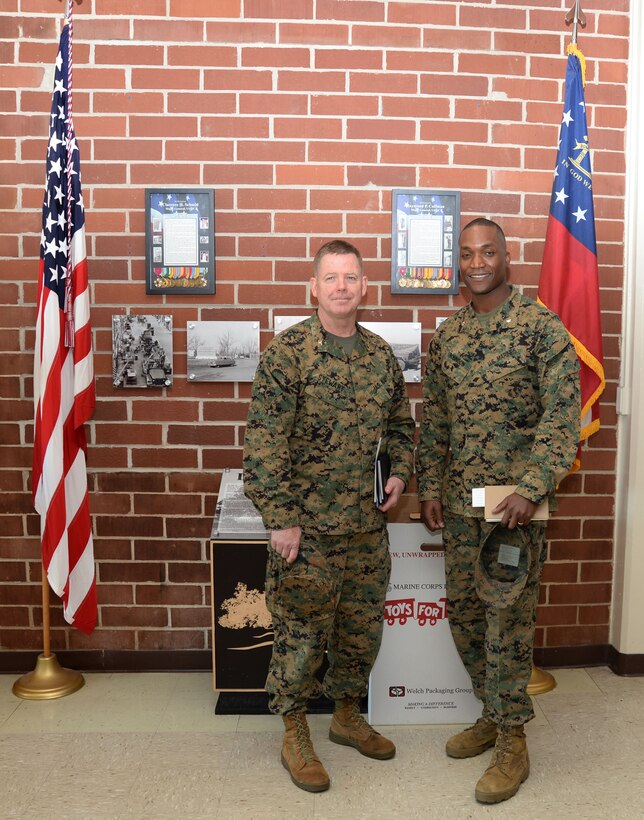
540,681
49,679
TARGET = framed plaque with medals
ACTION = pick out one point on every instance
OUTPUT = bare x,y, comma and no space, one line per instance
424,238
180,241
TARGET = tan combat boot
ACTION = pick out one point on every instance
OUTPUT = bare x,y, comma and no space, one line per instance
298,755
510,766
473,741
349,728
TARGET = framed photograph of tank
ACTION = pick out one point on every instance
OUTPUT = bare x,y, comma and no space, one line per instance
142,351
180,241
405,341
423,226
222,351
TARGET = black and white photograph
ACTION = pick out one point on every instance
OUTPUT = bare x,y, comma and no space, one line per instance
404,338
223,351
405,341
142,351
280,323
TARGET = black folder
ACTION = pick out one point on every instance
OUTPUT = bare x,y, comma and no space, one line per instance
381,472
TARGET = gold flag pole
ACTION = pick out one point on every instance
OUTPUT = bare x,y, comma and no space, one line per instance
540,680
49,679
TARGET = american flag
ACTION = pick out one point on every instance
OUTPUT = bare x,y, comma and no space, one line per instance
64,395
569,283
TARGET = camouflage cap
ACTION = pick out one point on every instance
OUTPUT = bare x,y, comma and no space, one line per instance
503,565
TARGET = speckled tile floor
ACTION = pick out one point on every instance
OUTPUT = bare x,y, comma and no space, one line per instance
150,746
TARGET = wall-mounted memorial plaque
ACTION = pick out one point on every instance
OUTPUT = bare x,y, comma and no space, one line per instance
424,231
180,241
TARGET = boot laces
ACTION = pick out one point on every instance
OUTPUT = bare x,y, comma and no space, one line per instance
481,725
502,749
303,738
356,718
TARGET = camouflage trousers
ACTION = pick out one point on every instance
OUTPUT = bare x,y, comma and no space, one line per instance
494,642
331,598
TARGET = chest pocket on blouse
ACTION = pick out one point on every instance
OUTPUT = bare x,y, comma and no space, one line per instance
508,368
456,366
323,412
319,396
486,366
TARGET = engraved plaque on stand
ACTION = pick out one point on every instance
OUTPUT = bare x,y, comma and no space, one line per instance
242,634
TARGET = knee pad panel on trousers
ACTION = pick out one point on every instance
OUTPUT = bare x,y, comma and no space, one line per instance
299,590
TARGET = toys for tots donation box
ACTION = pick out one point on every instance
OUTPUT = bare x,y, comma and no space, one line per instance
418,676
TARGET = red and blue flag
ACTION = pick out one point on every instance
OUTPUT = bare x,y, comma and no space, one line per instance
64,392
569,283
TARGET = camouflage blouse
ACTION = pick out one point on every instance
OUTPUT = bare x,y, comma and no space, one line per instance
313,427
500,405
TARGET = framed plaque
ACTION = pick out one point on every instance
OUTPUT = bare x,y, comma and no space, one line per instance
424,238
179,241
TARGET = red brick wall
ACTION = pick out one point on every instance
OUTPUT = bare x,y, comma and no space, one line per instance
302,116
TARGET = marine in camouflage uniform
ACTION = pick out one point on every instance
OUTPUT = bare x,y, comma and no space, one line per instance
500,407
320,405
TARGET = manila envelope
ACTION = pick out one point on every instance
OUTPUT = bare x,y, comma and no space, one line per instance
495,493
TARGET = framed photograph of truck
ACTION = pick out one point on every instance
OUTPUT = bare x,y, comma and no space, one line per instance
405,341
424,228
180,241
142,351
222,351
